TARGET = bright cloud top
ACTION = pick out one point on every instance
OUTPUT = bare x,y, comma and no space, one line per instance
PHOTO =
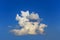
29,23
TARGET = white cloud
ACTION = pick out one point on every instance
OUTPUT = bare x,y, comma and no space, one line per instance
25,14
33,16
29,27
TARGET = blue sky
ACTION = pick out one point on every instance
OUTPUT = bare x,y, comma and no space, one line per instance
49,10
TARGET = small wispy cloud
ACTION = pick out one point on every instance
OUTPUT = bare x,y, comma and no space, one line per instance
29,23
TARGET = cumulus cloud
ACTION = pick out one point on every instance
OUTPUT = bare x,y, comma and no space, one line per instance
25,20
34,16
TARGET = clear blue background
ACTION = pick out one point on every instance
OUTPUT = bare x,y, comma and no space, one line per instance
49,10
